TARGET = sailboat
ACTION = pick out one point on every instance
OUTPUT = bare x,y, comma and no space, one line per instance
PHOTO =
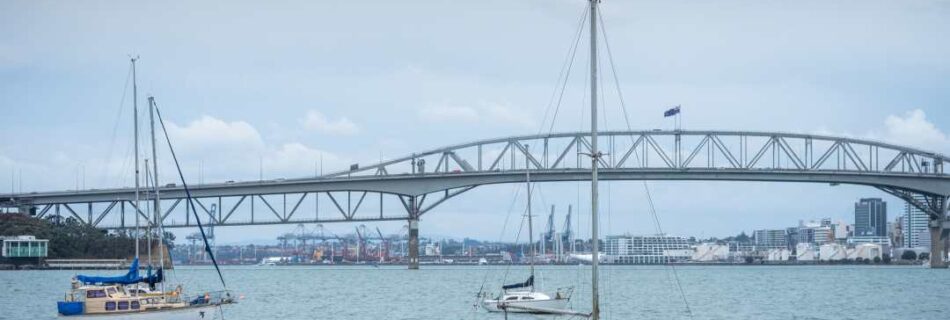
523,297
519,301
123,296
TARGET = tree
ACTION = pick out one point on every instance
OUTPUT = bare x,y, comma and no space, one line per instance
877,260
169,240
909,255
742,237
748,260
923,256
887,259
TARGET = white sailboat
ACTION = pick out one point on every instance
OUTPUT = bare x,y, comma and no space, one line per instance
514,297
524,301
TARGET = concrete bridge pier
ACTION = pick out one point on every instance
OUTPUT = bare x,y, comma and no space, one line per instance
414,244
413,234
938,236
937,250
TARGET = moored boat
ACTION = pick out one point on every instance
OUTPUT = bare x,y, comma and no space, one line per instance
527,302
125,296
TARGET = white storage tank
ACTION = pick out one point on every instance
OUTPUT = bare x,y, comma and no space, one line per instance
832,252
805,252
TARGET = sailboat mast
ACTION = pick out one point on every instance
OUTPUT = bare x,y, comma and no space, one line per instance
157,213
595,158
527,180
135,121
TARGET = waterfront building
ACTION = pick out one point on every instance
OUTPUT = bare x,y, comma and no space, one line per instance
806,235
770,239
896,232
841,231
870,218
882,240
914,226
655,249
740,249
24,247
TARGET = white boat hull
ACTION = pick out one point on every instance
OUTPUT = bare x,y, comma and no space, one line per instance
191,313
500,306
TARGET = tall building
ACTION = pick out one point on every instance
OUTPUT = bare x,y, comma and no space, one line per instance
870,218
770,239
914,226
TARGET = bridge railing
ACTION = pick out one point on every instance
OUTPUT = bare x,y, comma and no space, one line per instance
667,150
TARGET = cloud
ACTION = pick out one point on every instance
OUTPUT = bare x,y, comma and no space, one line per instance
295,159
489,113
235,150
215,134
913,128
908,129
318,121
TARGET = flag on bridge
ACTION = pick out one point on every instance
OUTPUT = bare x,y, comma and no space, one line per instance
671,112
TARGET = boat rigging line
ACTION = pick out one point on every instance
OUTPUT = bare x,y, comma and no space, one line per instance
563,77
646,186
184,185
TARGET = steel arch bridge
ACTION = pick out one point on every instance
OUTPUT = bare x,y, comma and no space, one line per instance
417,183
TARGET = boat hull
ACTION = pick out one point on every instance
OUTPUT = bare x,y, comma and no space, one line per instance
500,306
189,313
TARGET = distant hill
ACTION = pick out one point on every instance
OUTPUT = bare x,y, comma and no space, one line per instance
68,238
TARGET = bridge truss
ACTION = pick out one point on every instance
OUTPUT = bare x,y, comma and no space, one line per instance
407,187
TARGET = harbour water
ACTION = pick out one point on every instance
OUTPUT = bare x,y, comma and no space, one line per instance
448,292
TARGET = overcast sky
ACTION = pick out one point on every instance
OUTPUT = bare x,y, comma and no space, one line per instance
283,83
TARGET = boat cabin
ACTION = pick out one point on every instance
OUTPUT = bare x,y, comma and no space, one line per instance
108,299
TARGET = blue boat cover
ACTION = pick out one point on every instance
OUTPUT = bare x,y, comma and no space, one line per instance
129,278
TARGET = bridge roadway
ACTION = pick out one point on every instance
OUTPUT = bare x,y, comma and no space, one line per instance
911,174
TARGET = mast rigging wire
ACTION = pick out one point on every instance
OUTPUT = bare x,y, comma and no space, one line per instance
646,186
184,185
115,127
562,77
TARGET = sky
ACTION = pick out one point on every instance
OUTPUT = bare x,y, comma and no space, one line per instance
281,86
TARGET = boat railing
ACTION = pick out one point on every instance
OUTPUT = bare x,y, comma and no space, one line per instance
564,293
211,297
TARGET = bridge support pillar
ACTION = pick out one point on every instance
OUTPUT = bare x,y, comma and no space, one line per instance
938,236
937,250
413,244
413,233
